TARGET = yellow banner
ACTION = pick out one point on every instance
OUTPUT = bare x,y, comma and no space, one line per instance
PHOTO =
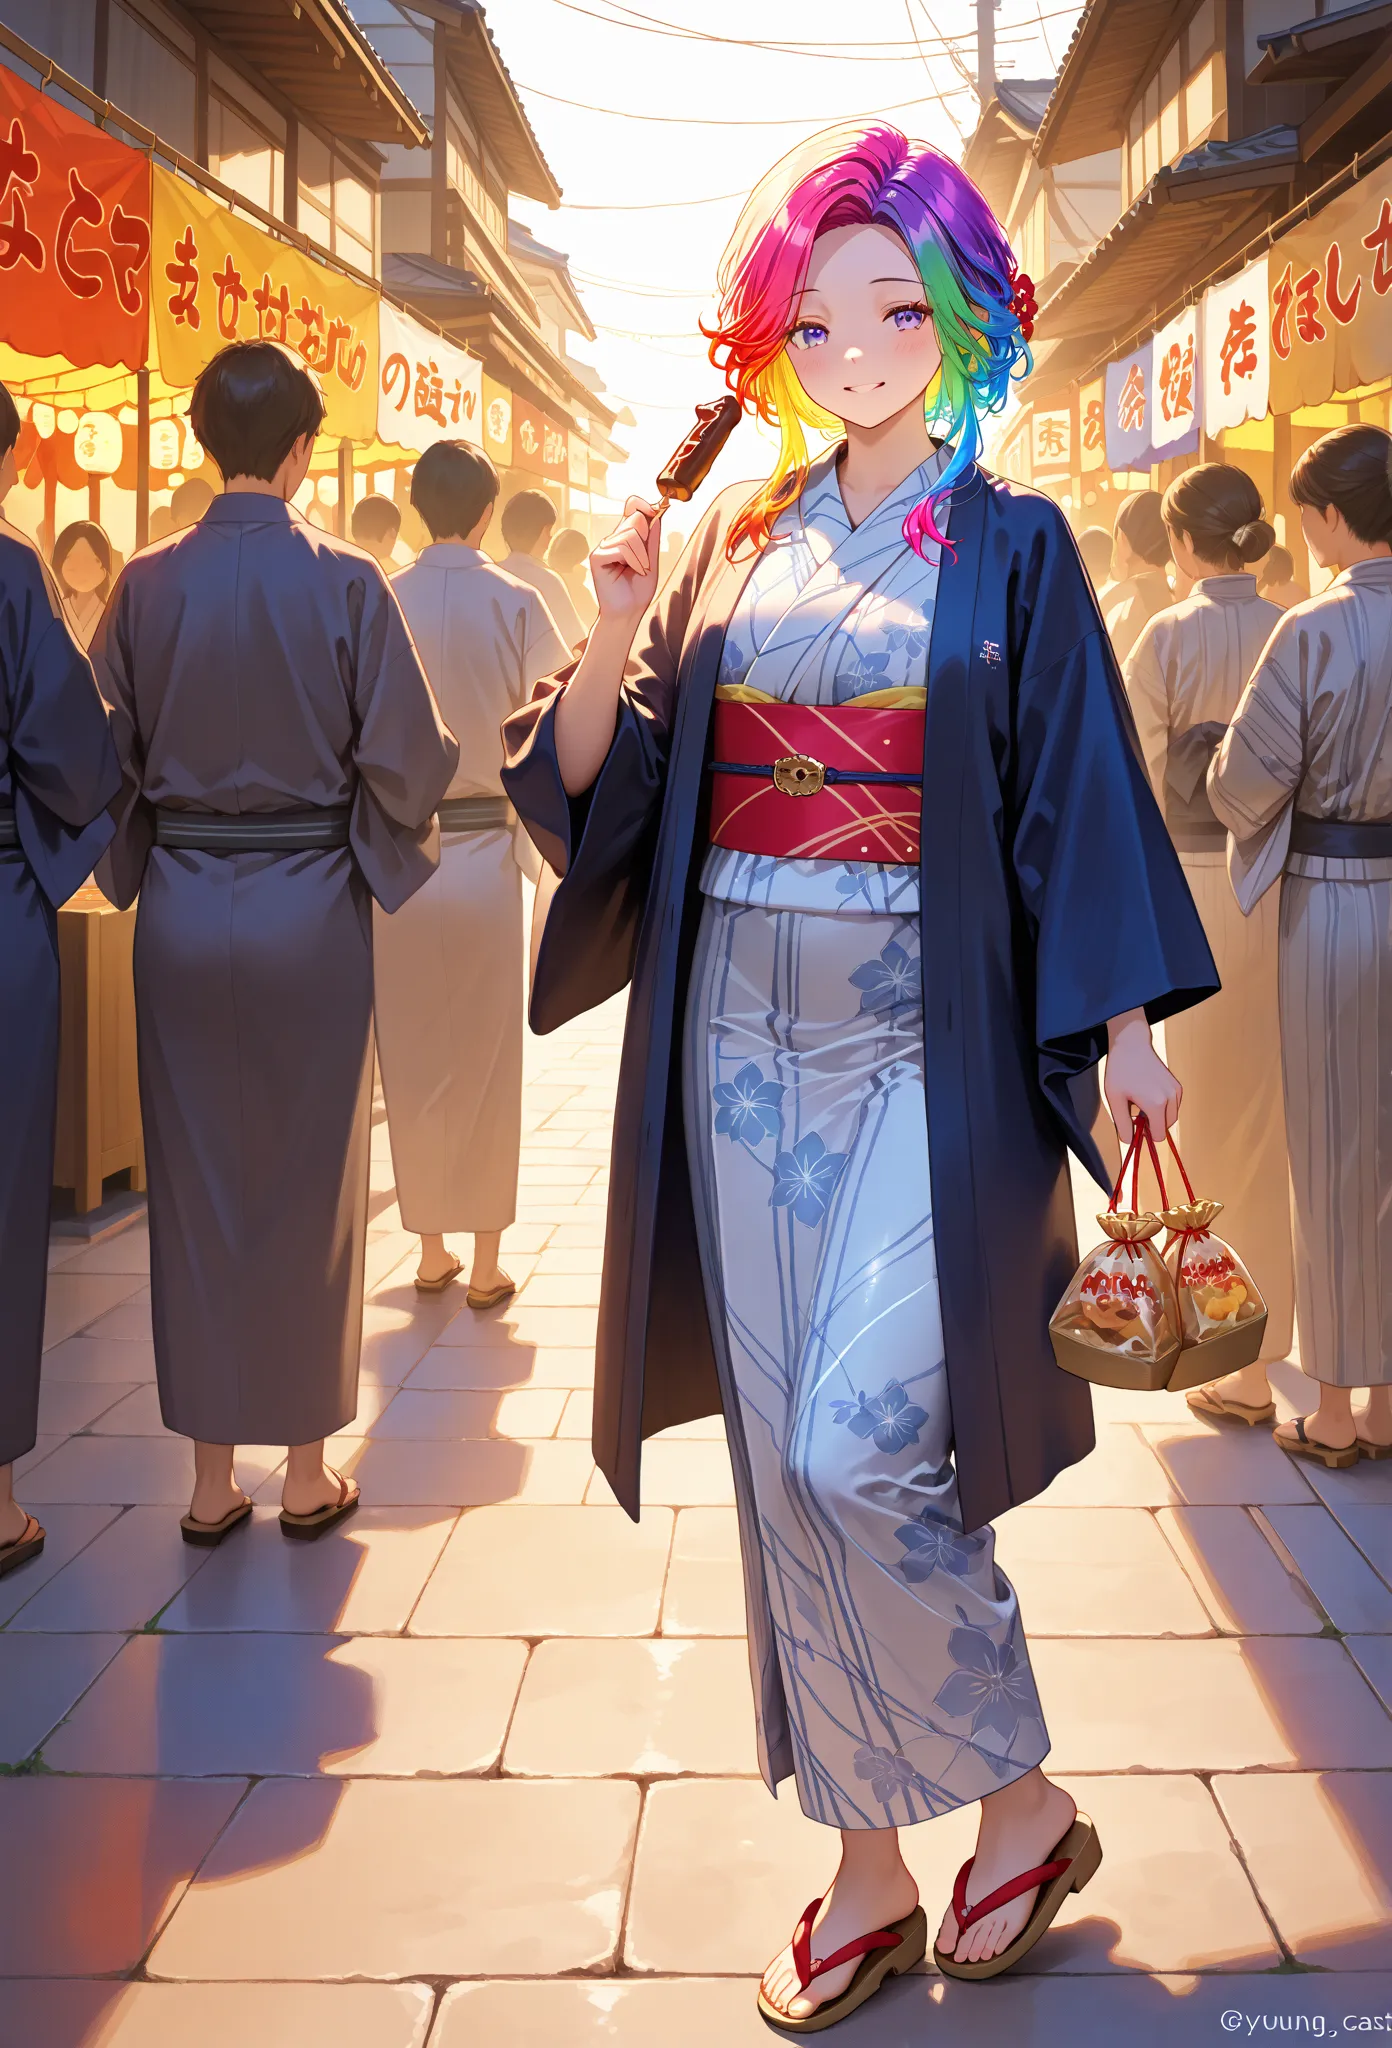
216,278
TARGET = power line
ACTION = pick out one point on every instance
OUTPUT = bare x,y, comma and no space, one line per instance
651,205
939,96
704,121
649,24
647,404
641,291
653,334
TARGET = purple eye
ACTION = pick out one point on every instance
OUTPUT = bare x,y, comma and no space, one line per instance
808,335
906,318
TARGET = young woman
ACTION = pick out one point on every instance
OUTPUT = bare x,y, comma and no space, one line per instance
1140,557
82,567
862,997
1304,782
1184,677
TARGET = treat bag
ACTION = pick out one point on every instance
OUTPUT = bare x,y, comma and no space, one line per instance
1222,1313
1118,1323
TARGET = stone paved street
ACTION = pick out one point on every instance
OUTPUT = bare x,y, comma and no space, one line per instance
477,1771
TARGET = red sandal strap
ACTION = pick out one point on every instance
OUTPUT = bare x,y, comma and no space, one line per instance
1028,1881
863,1945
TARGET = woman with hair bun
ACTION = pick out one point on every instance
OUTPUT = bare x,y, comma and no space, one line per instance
1184,677
1303,781
853,803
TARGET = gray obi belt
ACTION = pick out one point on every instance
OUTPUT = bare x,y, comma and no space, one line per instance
301,831
1188,812
1194,829
1341,838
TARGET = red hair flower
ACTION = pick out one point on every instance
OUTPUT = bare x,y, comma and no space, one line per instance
1023,303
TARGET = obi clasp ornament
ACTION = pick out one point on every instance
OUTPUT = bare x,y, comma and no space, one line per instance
799,775
864,784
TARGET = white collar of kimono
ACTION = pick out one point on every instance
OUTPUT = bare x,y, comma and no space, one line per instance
1377,569
1233,589
847,564
452,554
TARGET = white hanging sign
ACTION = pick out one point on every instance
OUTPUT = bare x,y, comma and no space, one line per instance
428,390
1237,349
1174,382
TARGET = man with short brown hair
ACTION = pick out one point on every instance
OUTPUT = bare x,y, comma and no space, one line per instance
283,758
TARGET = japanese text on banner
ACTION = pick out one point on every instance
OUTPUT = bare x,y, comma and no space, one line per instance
428,390
1330,311
1175,392
1126,424
1236,350
217,278
1052,443
1092,425
74,235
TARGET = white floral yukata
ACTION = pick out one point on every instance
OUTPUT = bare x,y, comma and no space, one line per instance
897,1640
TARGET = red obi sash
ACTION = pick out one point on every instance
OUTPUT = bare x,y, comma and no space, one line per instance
815,782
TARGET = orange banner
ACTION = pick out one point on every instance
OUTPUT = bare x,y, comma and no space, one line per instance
1331,298
74,235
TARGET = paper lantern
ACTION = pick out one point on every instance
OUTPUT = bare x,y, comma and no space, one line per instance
328,490
45,420
67,421
97,444
193,448
499,419
165,444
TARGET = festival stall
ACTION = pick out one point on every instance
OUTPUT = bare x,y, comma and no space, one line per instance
1254,369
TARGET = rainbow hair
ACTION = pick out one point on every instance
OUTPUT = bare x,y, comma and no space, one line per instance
849,177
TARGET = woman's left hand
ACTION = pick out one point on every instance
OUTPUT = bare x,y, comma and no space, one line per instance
1138,1079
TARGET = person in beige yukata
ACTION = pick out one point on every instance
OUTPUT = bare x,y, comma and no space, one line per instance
449,964
1140,557
528,522
1184,677
1303,782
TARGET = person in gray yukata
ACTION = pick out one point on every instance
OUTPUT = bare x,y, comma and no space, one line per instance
283,759
58,772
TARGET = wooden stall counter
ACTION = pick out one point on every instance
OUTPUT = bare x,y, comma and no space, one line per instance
98,1093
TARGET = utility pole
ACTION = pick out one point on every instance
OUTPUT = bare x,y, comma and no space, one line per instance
985,49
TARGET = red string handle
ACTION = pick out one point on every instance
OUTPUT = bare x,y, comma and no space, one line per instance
1140,1134
1180,1164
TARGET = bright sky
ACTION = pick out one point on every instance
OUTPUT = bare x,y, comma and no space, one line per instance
646,267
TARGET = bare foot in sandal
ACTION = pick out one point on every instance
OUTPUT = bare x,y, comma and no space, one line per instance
1020,1825
871,1890
310,1484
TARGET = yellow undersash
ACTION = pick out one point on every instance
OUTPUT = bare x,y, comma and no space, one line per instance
906,697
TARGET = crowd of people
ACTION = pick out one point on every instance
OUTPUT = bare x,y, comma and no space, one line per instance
1261,717
253,688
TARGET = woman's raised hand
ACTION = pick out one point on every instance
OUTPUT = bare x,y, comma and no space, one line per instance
623,568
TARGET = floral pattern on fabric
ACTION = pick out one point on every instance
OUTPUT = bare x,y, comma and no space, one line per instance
991,1686
932,1543
747,1107
888,981
803,1179
890,1418
885,1645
